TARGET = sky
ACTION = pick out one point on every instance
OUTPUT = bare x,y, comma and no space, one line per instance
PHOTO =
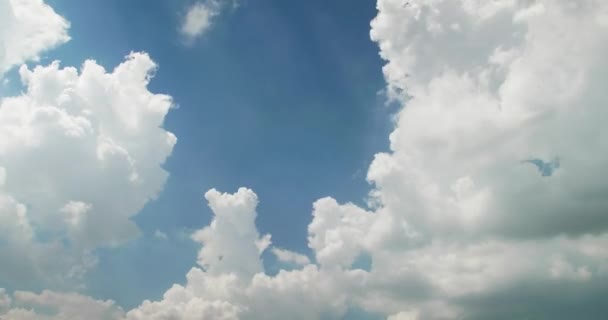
240,159
285,93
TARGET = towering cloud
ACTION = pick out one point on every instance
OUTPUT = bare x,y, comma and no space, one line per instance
230,283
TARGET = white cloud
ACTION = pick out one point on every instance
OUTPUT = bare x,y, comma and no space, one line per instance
461,228
57,306
461,224
231,284
198,18
229,257
487,116
81,153
290,256
336,232
28,28
230,242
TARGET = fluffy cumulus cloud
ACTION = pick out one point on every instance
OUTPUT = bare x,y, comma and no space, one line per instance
490,192
28,28
229,242
490,203
80,152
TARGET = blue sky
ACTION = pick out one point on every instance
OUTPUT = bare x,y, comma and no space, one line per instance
284,98
313,160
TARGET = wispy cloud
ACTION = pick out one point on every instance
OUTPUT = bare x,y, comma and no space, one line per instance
198,19
160,235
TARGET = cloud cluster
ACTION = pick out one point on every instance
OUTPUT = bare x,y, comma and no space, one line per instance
80,153
230,283
489,205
